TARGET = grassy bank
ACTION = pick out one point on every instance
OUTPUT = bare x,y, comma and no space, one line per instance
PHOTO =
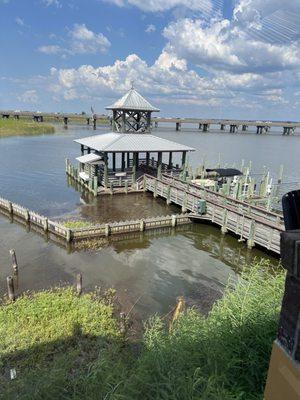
10,127
65,347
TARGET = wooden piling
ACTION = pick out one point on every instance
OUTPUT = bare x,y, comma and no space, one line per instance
10,288
142,225
123,323
79,284
107,229
14,260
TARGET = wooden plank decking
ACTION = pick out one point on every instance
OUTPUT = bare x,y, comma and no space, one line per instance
251,223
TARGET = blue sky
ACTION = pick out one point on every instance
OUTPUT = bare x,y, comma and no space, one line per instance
204,58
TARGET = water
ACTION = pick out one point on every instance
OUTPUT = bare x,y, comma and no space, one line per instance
150,269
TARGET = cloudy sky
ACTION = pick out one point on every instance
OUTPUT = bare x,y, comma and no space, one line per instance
202,58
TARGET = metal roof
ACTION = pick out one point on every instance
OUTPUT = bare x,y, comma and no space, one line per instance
89,158
132,100
127,142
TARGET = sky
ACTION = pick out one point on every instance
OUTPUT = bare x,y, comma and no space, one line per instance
198,58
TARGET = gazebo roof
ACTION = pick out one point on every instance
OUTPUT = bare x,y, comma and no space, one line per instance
132,100
135,142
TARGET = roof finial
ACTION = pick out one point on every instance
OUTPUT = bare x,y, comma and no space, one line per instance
132,84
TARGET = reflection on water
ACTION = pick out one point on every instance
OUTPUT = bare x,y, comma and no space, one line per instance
193,261
118,207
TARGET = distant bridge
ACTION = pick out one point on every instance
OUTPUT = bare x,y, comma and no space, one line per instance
234,125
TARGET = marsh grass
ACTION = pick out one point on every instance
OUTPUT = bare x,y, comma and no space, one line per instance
65,347
73,224
11,127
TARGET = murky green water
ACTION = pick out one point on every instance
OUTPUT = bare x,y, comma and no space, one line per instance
151,269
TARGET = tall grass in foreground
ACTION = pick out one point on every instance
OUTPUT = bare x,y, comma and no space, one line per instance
10,127
66,347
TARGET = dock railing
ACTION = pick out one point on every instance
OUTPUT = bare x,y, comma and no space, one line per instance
100,230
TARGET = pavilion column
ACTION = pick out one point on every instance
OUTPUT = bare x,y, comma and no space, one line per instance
114,125
124,122
147,158
89,150
82,149
134,166
105,178
159,164
170,160
183,160
128,160
149,121
114,161
123,162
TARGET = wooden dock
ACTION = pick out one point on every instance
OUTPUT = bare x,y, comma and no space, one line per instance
252,224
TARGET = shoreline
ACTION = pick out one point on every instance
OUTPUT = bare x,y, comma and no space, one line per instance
84,345
9,128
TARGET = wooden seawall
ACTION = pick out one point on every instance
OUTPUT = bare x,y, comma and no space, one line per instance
251,223
94,231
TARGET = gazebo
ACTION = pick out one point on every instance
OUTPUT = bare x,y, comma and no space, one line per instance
119,158
132,113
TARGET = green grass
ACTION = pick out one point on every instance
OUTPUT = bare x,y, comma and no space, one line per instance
73,224
65,347
10,127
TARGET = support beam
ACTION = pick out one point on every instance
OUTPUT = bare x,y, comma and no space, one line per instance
159,164
183,159
128,160
123,162
114,161
233,128
170,160
205,127
147,158
105,178
66,120
178,126
134,166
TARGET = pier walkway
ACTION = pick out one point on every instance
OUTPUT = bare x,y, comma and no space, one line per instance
252,224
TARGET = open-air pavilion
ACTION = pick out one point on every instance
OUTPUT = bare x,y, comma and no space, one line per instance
119,157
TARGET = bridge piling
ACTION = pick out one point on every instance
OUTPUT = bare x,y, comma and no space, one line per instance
205,127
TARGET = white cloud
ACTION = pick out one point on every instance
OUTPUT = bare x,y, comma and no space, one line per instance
83,40
150,28
164,5
19,21
167,76
55,3
50,49
29,96
224,46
